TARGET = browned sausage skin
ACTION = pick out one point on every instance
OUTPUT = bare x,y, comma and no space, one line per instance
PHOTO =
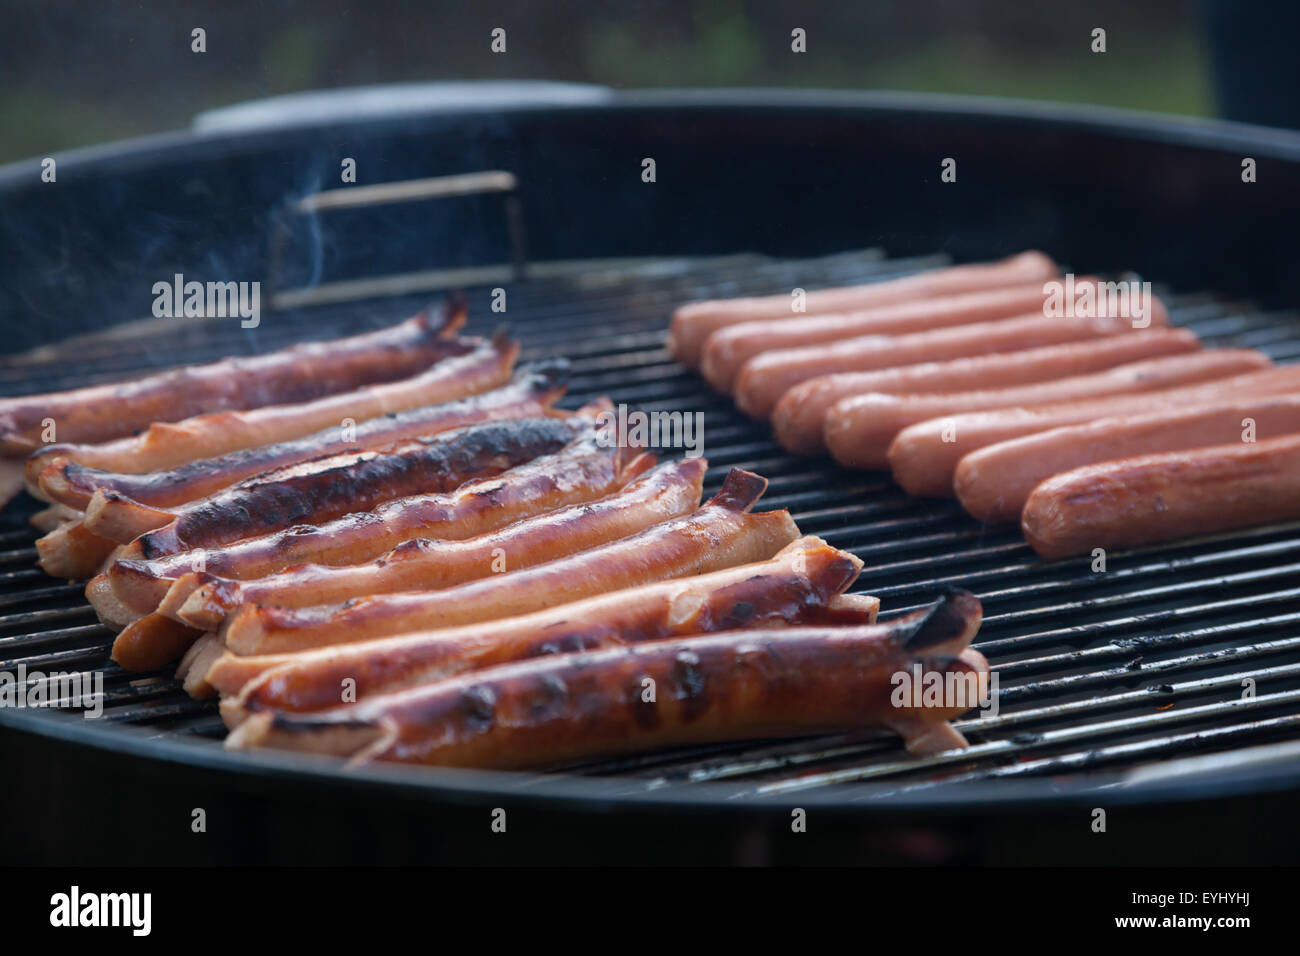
1154,498
721,534
330,487
800,581
924,456
102,412
994,482
680,549
668,491
583,471
693,323
859,431
169,465
727,349
718,687
765,378
208,655
233,672
120,506
152,641
798,419
72,552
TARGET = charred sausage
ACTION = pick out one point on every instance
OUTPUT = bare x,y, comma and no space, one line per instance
330,487
841,610
669,491
584,471
718,687
169,464
531,394
801,580
720,535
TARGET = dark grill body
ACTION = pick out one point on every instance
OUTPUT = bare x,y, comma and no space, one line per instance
1116,689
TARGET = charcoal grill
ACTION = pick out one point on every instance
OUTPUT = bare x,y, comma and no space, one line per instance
1122,689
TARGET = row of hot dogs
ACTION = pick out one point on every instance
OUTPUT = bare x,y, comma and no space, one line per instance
1095,428
395,547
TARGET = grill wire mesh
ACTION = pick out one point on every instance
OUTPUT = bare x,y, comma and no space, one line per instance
1142,663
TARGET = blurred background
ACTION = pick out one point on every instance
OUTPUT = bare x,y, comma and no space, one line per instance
74,73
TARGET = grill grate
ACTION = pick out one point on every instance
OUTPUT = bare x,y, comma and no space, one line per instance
1098,671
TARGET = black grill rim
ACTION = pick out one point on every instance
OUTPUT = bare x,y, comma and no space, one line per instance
557,790
1197,132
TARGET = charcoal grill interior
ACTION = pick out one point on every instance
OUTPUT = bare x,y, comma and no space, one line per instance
1101,674
1127,684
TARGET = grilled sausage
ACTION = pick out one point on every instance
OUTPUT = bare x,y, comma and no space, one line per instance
111,611
169,464
859,430
840,610
924,456
994,482
531,394
584,471
151,642
55,516
11,479
330,487
718,687
727,349
720,535
1153,498
669,491
126,518
765,378
297,374
72,552
692,324
798,584
195,665
798,419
